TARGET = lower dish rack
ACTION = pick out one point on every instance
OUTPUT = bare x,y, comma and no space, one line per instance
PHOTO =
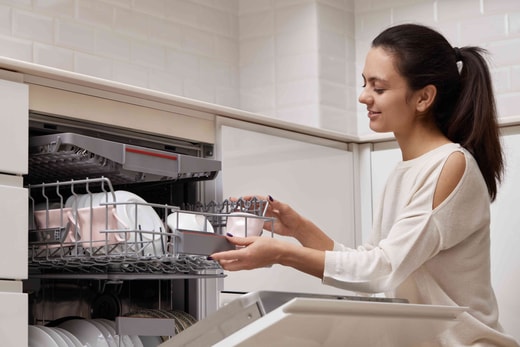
86,228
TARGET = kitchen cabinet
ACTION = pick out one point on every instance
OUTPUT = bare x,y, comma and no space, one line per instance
505,236
14,221
13,316
315,178
14,215
13,122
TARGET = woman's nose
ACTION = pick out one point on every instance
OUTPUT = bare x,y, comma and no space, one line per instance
363,97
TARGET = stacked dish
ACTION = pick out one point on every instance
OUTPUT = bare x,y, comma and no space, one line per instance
144,233
77,332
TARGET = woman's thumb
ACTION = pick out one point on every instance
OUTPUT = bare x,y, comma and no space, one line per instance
237,240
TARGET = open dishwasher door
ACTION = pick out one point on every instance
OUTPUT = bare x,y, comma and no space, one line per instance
289,319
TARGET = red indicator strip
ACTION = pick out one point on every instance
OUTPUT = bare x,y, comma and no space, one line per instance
153,154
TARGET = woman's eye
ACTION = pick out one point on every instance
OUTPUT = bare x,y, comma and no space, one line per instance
379,90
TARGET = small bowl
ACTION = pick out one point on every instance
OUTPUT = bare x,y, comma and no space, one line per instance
244,224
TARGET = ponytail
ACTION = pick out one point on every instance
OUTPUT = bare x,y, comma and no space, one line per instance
474,122
464,108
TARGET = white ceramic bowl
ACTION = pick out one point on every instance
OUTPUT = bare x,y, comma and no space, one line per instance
244,224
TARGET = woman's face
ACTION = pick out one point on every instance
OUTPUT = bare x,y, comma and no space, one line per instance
389,101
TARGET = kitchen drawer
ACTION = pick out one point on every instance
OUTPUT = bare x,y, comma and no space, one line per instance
13,319
13,230
14,120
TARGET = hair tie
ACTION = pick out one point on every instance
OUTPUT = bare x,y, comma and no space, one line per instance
458,56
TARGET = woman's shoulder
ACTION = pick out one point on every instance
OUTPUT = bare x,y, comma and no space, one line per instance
450,176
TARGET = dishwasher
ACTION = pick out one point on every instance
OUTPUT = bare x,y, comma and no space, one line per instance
120,229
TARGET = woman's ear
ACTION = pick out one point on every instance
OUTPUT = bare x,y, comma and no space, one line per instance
425,99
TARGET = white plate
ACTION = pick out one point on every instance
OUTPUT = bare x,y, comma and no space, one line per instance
86,332
106,333
39,338
188,221
74,342
147,220
66,338
126,341
60,341
136,340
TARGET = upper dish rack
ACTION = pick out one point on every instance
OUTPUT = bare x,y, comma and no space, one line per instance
66,156
106,233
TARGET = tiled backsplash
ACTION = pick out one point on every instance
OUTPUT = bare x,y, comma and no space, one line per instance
491,24
299,60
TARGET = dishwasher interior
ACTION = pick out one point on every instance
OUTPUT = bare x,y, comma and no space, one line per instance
120,228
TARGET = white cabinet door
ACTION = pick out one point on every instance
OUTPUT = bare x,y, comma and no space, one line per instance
14,118
13,228
13,319
315,179
505,237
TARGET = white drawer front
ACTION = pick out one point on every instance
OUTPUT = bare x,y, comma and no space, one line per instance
13,232
14,118
13,319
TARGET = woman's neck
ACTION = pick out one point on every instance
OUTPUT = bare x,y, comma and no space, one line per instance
420,141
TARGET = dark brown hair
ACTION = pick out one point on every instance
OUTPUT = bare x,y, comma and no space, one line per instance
464,108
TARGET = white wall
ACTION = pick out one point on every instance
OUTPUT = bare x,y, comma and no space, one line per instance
298,60
182,47
492,24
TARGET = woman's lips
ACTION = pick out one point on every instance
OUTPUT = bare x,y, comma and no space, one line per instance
372,114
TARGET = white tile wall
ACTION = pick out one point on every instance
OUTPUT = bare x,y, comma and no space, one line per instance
298,60
5,19
492,24
186,47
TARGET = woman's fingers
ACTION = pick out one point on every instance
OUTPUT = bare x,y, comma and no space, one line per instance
233,254
244,258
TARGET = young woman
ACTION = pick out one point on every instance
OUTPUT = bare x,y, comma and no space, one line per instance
430,240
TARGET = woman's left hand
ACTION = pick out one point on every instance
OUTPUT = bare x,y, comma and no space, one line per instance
252,253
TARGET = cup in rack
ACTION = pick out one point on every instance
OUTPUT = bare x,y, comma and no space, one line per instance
55,219
98,226
144,234
244,224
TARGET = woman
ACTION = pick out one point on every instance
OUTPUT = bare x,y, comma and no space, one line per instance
430,239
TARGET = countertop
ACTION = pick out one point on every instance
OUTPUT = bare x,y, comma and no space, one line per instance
28,72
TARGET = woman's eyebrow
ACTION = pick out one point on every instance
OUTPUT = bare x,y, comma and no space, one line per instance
374,79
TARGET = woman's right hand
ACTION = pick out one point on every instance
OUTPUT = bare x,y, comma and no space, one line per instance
286,220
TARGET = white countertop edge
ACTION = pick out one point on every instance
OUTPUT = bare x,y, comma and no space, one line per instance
28,68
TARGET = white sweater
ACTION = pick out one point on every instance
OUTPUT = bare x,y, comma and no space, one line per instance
439,257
